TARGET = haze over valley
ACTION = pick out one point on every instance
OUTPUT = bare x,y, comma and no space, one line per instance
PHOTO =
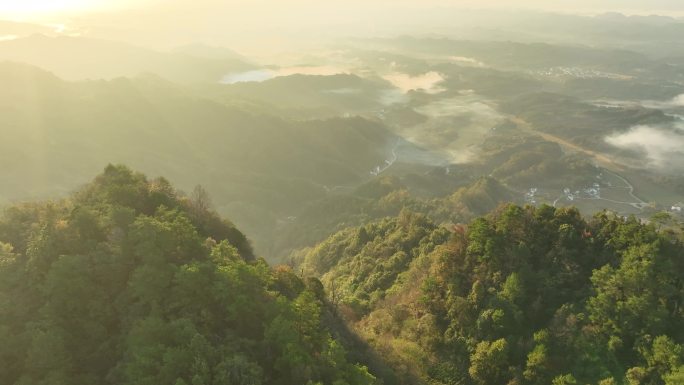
440,192
337,116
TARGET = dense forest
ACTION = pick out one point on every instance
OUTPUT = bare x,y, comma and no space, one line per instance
296,192
128,282
520,296
57,134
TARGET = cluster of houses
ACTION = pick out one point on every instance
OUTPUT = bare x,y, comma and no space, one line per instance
531,195
378,169
579,73
571,195
593,192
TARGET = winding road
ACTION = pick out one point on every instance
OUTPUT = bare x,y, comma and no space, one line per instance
388,162
603,161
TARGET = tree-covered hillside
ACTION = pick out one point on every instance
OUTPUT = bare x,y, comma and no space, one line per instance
387,197
128,282
309,96
521,296
260,168
81,58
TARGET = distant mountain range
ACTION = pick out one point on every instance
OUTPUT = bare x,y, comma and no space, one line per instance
57,133
80,58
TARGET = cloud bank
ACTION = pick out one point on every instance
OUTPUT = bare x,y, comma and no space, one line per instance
663,148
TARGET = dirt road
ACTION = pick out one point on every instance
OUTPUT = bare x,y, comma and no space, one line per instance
600,159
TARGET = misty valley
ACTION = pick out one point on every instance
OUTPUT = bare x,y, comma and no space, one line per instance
444,204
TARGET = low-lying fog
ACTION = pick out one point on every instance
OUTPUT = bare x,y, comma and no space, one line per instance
264,74
456,126
672,106
676,104
663,147
428,82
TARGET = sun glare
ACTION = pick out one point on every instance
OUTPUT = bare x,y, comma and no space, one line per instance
37,9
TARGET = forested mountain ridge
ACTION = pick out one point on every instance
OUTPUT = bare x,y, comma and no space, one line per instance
414,192
80,58
260,168
127,282
521,296
130,282
386,197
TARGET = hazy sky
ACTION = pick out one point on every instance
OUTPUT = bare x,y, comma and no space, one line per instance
269,25
40,9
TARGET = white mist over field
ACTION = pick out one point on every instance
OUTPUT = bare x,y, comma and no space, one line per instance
261,75
663,148
678,101
428,82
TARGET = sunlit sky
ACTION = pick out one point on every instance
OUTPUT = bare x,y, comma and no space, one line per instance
31,10
37,9
267,25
